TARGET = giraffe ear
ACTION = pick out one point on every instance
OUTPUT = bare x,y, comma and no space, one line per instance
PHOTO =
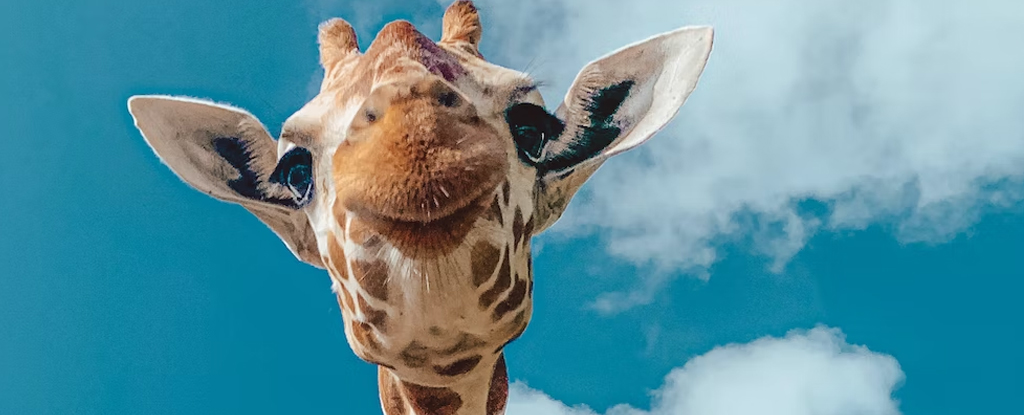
226,153
615,104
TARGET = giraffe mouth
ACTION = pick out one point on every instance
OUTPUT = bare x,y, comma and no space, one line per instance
463,211
436,236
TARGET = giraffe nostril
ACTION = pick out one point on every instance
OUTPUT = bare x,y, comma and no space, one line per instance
449,99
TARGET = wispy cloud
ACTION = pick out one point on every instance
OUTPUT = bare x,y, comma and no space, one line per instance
900,113
812,372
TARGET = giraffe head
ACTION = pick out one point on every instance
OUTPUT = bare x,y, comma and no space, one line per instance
423,158
412,135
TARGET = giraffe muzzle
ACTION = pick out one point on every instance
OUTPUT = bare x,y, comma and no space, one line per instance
420,153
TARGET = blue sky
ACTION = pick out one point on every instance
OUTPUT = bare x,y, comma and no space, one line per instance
853,174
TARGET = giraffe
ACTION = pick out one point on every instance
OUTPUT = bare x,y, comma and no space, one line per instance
417,177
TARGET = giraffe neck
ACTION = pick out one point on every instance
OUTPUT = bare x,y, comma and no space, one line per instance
436,327
483,392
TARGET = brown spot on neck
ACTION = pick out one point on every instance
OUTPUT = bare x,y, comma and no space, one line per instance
434,401
502,283
494,212
376,318
372,276
364,336
528,229
518,228
336,262
390,395
520,322
497,396
459,367
515,299
345,301
466,343
484,261
399,397
415,355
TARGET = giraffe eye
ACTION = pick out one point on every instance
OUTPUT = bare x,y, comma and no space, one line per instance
531,127
295,171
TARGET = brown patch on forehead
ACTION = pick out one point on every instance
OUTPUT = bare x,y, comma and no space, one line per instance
372,276
434,401
401,38
484,261
395,45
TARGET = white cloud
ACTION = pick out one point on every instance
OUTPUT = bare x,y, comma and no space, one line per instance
812,372
906,114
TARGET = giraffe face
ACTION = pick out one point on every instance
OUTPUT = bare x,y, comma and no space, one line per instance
411,139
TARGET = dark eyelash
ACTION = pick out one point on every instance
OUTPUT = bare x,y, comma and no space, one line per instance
526,89
521,91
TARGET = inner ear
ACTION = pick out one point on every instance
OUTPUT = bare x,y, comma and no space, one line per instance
597,129
237,154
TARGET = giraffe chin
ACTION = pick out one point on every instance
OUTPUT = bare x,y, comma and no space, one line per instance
426,239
